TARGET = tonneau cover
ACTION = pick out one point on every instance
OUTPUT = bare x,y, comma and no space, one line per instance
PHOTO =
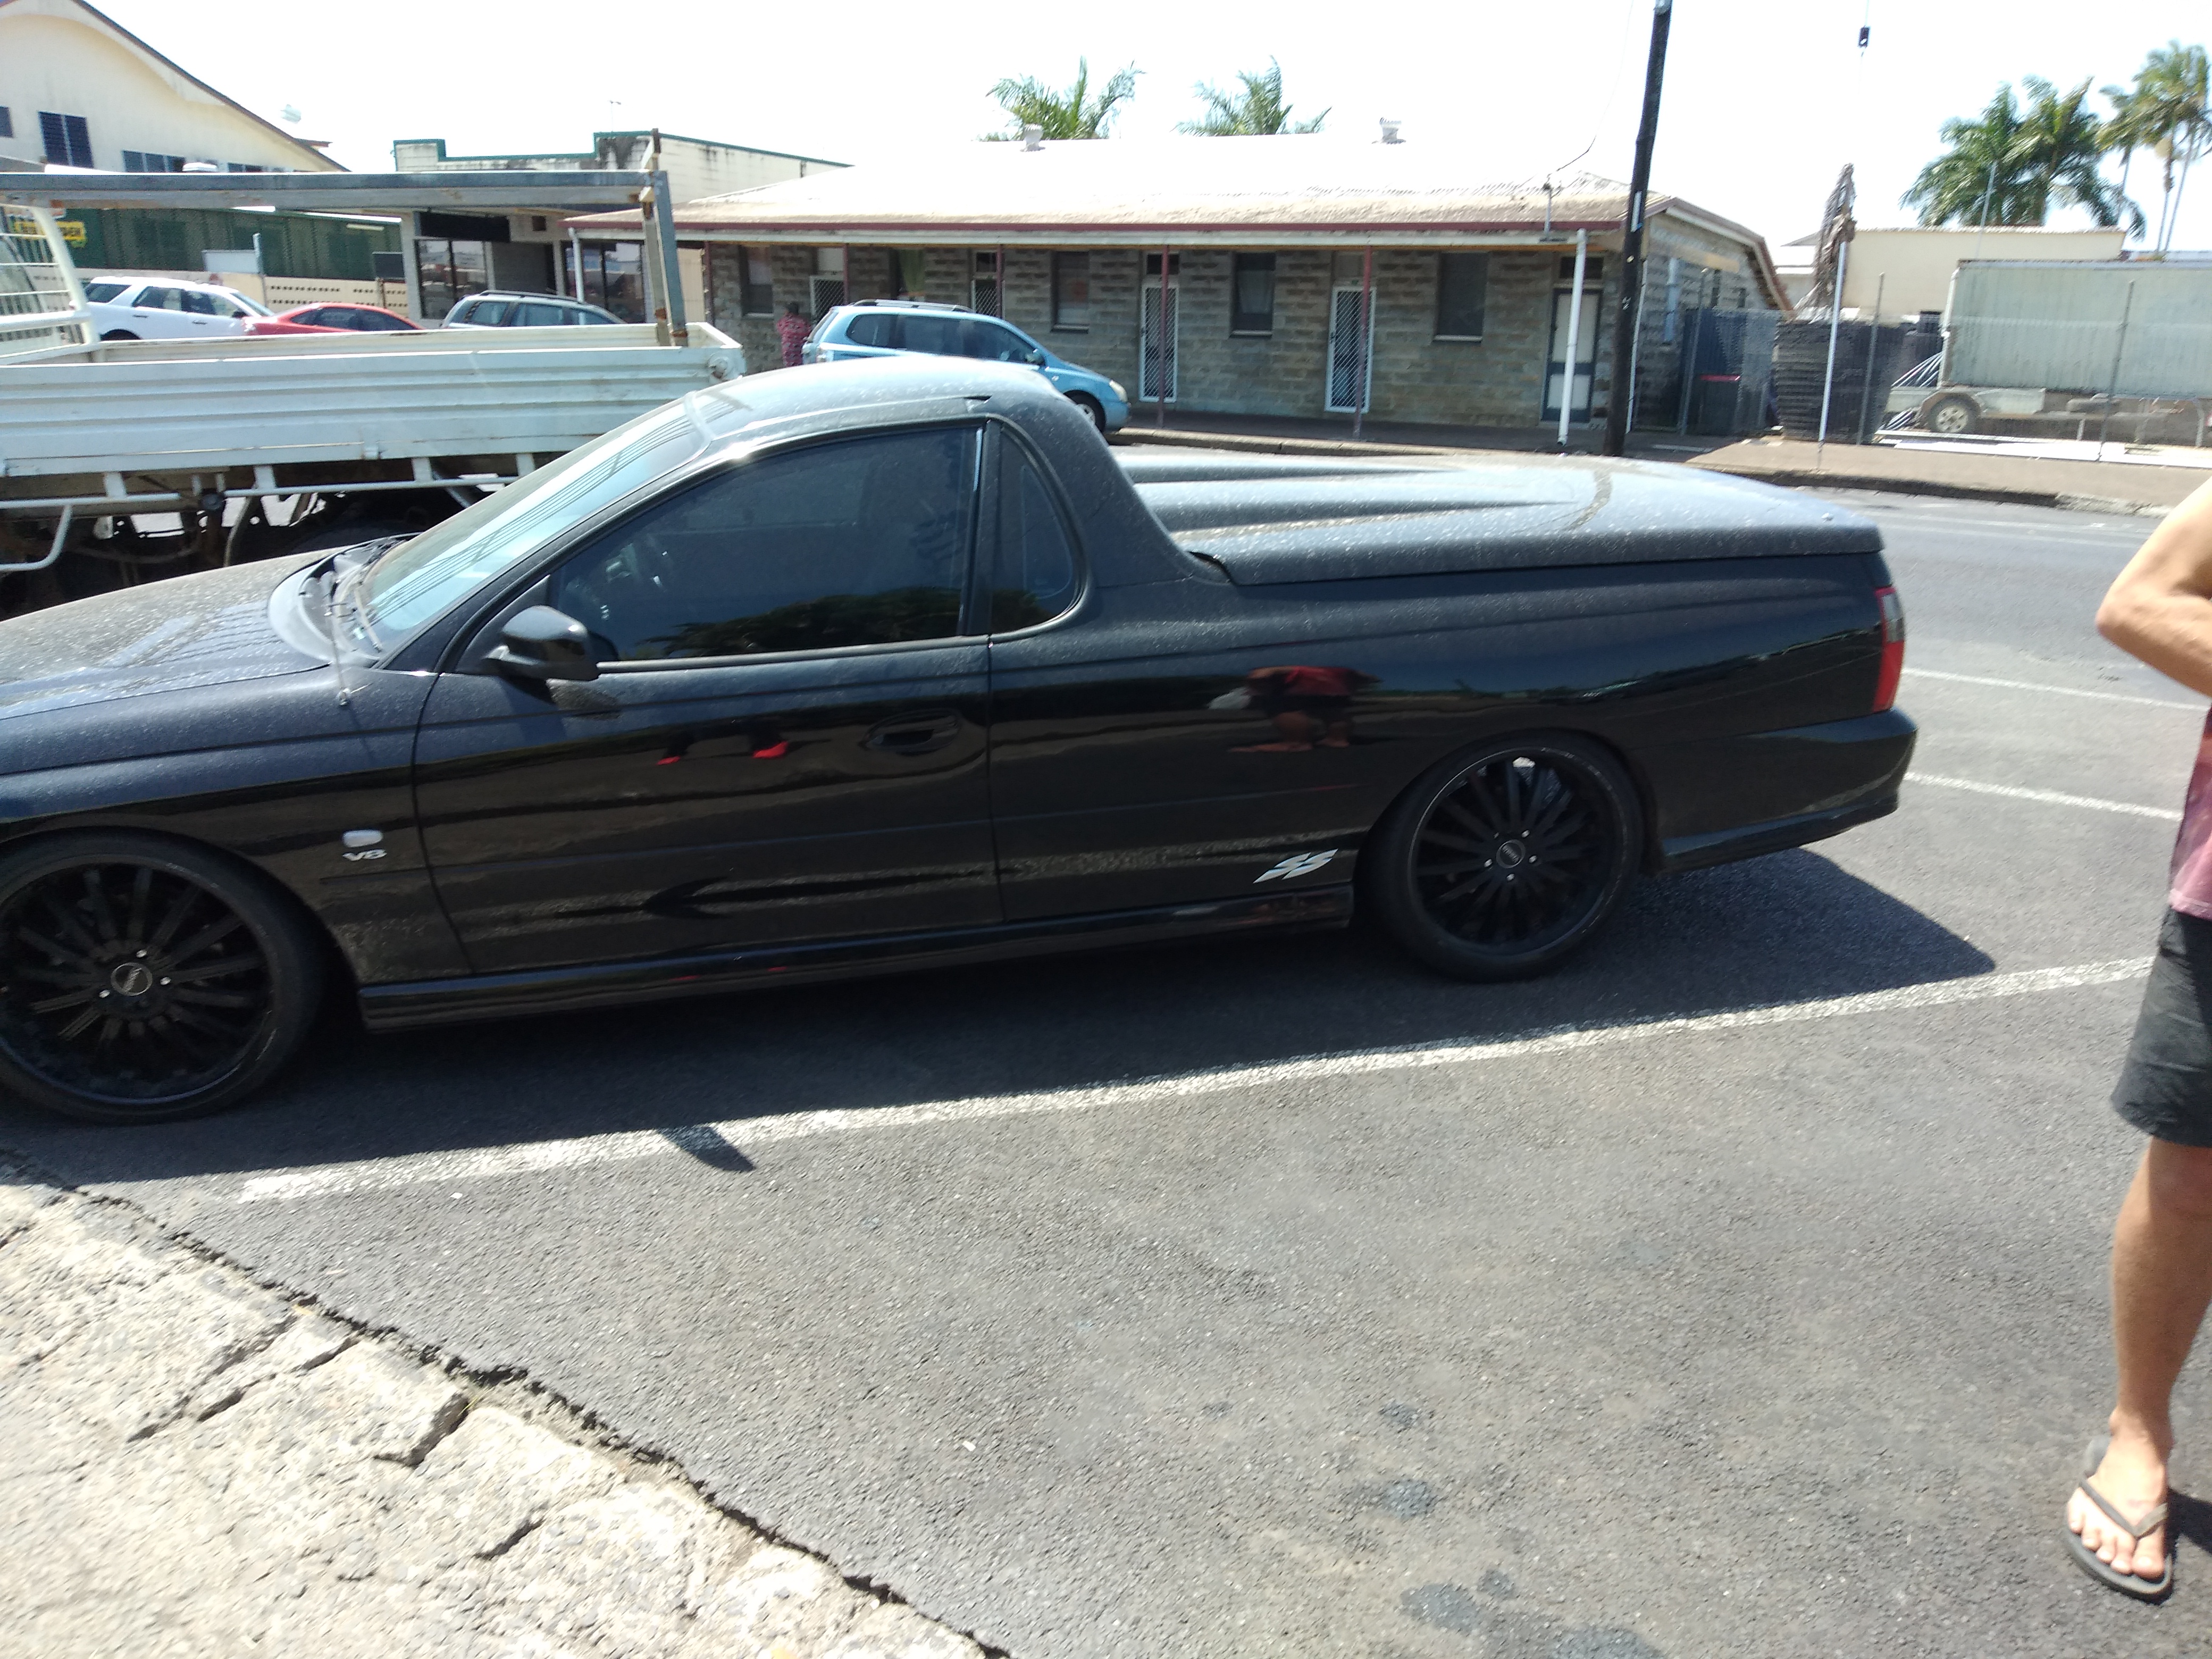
1266,520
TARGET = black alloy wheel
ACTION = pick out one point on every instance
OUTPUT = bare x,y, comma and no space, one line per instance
1504,859
142,980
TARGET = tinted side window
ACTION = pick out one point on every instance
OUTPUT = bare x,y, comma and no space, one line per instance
162,299
202,304
995,344
1035,579
863,542
535,313
487,313
97,292
921,330
318,317
873,329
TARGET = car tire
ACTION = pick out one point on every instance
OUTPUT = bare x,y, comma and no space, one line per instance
117,334
1091,407
1505,859
1953,415
223,974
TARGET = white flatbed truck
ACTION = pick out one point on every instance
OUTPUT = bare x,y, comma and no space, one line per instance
125,461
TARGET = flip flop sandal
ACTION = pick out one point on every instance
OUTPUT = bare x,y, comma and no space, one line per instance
2128,1583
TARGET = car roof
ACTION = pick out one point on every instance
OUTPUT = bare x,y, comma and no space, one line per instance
909,305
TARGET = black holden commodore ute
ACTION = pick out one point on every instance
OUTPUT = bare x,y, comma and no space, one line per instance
891,665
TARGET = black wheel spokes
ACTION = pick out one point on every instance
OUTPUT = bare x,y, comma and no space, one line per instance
126,981
1515,855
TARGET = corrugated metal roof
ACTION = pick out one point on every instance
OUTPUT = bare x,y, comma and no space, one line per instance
1305,181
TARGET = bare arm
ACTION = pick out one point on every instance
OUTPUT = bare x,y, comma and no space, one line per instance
2159,608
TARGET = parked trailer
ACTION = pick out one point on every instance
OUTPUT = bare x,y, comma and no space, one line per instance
127,460
2071,345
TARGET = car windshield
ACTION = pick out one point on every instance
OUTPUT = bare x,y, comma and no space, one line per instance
422,579
253,306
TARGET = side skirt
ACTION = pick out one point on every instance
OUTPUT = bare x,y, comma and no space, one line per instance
552,990
1724,846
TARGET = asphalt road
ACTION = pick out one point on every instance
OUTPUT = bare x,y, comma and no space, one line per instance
1135,1305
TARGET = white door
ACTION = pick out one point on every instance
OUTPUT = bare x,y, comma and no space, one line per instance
1351,375
158,314
1149,375
1555,365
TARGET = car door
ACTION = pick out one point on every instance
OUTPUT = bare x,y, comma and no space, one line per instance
785,742
205,315
157,313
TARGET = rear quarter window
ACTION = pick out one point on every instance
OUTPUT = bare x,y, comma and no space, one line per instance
874,328
100,293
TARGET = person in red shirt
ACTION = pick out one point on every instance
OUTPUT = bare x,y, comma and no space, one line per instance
1308,705
791,329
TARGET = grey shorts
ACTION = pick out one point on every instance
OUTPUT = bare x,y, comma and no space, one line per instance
2166,1087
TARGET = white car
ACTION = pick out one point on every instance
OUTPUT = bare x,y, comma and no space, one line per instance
125,309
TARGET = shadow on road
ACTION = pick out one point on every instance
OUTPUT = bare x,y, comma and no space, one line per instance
1786,928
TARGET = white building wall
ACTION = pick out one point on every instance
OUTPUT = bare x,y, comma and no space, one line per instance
52,57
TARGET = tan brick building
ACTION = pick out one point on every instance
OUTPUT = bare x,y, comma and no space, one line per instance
1274,249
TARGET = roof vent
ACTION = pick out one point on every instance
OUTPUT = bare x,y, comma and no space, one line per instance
1390,132
1032,137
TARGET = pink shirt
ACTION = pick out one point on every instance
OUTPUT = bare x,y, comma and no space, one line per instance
2191,891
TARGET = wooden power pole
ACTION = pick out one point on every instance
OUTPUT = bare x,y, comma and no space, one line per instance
1631,239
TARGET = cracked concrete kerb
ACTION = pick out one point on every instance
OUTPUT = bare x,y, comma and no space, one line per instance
191,1465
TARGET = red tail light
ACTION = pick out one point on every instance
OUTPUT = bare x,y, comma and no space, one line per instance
1893,648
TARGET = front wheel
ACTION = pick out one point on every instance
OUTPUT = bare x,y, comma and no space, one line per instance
142,980
1504,859
1091,407
119,334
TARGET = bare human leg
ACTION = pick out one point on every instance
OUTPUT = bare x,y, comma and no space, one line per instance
2162,1283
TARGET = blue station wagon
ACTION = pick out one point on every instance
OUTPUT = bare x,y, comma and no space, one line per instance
887,328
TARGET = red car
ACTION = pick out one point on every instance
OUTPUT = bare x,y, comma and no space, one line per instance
332,320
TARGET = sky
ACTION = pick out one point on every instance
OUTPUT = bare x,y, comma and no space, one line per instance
1764,100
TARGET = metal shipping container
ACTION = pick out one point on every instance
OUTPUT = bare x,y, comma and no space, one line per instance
2064,325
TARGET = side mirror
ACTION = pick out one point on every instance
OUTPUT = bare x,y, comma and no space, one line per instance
541,643
1036,358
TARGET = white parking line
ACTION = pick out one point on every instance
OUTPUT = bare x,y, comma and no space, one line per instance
2048,797
2196,708
432,1169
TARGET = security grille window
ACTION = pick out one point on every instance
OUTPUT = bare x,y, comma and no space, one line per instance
859,543
1463,280
984,291
1071,292
1252,294
756,283
825,289
69,142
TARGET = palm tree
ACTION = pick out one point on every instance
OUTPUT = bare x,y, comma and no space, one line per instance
1070,114
1257,111
2011,168
2167,112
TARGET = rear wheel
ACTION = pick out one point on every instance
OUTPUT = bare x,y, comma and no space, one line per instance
144,980
1504,859
1953,415
1091,407
119,334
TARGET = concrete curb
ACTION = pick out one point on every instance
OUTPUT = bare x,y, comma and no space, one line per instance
194,1465
1250,444
2065,501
